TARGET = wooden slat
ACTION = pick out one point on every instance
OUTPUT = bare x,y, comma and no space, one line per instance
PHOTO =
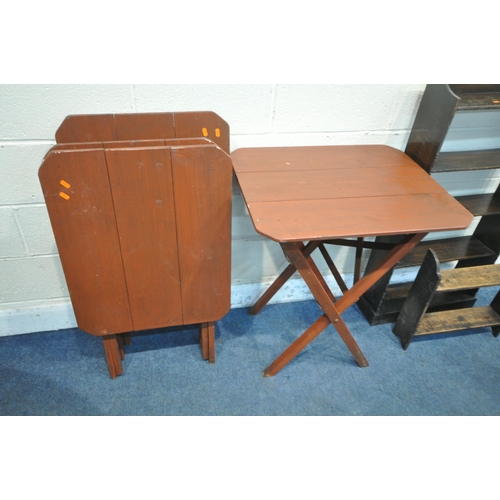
467,160
457,320
86,128
448,249
434,116
141,184
477,102
470,277
441,300
138,126
134,126
318,158
481,204
129,144
133,144
84,227
418,300
306,220
316,184
474,88
203,190
474,97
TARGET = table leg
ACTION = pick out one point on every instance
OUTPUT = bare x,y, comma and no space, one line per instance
358,259
112,350
211,342
333,268
323,296
347,300
207,341
121,345
280,281
288,354
204,341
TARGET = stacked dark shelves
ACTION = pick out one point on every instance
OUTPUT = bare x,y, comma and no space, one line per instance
439,105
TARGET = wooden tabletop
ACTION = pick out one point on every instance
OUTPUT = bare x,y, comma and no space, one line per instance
323,192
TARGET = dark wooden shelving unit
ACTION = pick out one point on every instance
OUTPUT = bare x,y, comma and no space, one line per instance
415,320
438,107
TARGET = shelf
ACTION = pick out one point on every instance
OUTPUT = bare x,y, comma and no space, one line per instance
467,278
481,204
385,302
395,296
477,97
463,248
467,160
479,102
456,320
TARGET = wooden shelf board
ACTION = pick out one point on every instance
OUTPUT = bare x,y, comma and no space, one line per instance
456,161
481,204
479,101
477,96
467,278
457,320
463,248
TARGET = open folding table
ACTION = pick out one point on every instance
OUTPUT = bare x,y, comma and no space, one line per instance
306,197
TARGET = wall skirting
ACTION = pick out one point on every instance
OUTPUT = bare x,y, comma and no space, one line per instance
58,314
40,317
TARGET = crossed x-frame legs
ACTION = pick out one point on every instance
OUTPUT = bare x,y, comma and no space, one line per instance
300,260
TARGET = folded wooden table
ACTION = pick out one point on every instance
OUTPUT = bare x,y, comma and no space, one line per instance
306,197
140,206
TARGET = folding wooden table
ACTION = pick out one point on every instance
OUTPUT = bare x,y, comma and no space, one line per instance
306,197
140,206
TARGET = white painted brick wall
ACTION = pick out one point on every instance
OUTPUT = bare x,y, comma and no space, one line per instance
11,242
36,229
32,279
32,286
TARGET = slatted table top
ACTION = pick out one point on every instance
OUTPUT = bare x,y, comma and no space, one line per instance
322,192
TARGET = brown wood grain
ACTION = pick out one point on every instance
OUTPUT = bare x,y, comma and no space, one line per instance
456,320
305,220
115,222
470,277
434,116
87,128
304,193
113,355
203,124
142,190
129,144
202,190
284,159
85,230
135,126
139,126
353,182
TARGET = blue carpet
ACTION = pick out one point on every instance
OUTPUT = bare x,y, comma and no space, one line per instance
65,373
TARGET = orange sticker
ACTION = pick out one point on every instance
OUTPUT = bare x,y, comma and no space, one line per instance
65,184
217,132
64,195
205,132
